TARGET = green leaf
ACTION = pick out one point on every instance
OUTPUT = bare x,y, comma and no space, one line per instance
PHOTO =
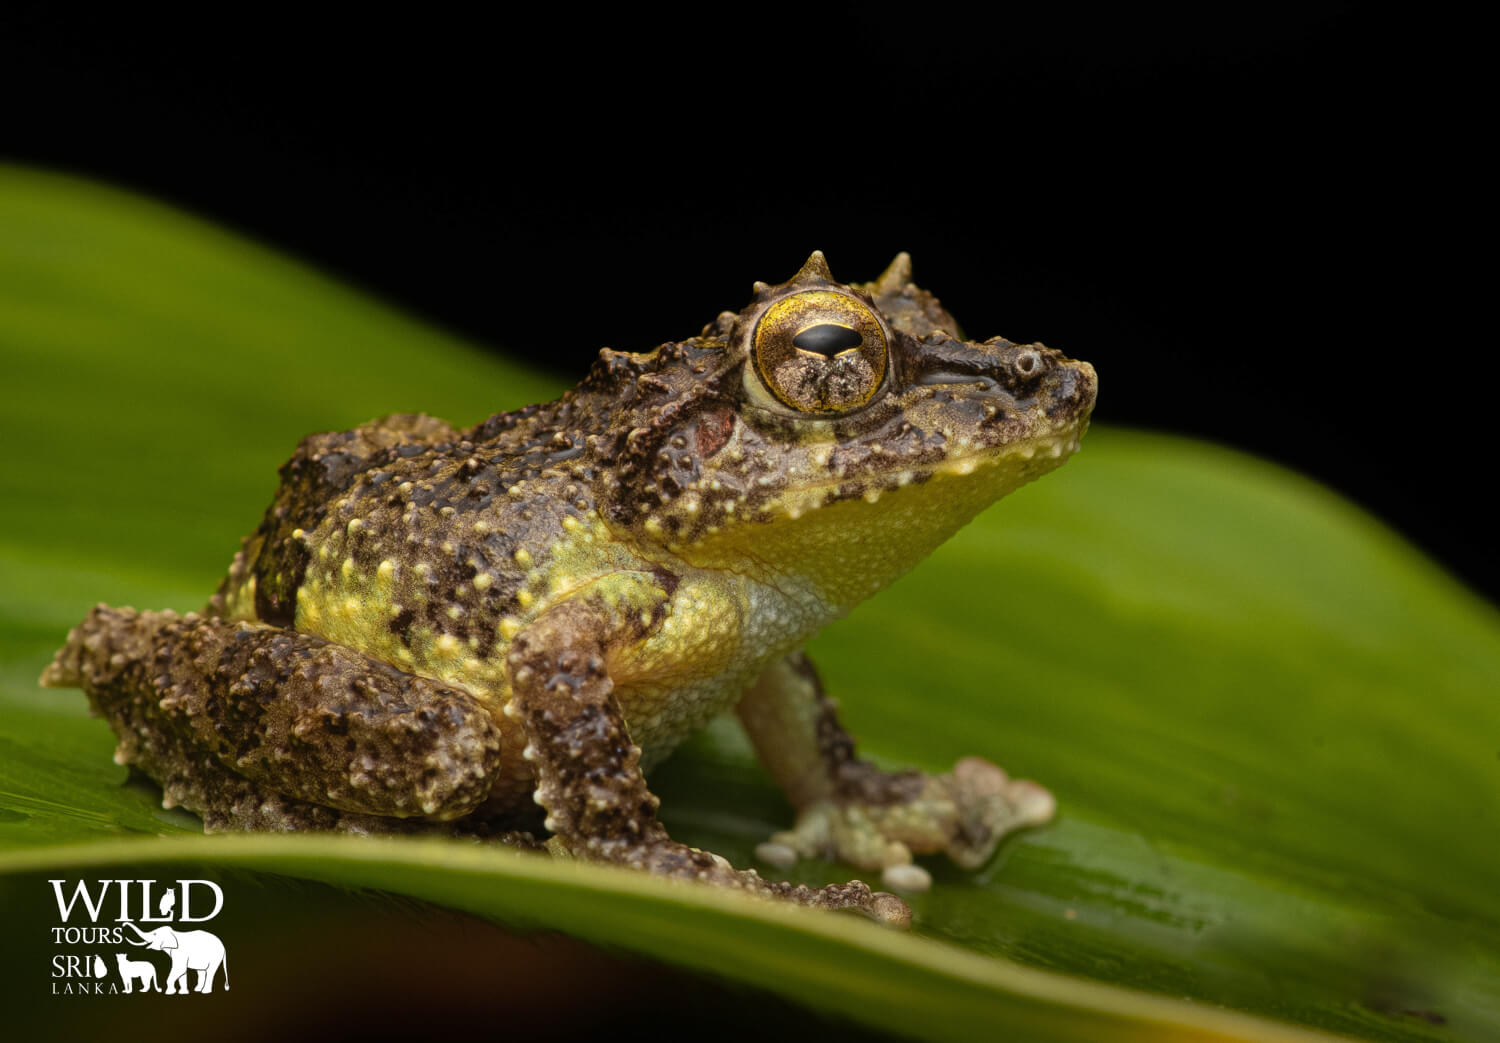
1272,727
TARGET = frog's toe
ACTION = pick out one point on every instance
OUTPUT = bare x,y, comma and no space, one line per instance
990,805
775,853
839,831
889,910
907,877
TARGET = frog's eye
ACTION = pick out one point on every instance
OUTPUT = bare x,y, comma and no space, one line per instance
820,351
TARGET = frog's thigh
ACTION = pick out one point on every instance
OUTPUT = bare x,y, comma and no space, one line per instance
851,810
588,775
225,711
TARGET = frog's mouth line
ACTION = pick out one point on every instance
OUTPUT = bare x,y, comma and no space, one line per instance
1048,448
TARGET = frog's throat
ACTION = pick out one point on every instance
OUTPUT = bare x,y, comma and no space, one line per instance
847,547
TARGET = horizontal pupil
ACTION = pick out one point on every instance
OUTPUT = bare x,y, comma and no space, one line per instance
827,339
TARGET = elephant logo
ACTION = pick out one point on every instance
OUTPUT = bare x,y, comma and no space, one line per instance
198,951
132,971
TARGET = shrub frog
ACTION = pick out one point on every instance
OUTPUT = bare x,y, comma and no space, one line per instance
502,628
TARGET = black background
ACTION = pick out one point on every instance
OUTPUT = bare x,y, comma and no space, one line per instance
1256,222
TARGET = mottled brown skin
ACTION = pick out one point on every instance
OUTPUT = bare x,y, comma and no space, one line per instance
465,630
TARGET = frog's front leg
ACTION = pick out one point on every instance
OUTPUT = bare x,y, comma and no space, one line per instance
588,776
852,811
257,727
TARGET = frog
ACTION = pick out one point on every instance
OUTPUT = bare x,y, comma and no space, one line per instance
498,631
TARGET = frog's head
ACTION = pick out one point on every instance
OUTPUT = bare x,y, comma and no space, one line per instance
835,432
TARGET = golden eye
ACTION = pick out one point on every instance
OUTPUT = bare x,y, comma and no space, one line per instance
820,351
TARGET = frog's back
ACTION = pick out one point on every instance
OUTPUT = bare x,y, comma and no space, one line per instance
422,545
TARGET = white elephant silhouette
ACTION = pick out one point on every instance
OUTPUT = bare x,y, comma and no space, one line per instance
130,970
190,951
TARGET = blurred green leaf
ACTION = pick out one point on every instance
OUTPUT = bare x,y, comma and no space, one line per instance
1272,726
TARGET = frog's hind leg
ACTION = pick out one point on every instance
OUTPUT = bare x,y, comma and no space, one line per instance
255,727
853,811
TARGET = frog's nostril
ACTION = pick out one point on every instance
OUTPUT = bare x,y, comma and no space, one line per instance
1027,363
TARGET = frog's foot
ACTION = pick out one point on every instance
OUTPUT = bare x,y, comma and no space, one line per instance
852,811
666,857
588,776
964,813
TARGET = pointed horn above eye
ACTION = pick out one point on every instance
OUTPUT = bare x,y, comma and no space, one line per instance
815,269
896,275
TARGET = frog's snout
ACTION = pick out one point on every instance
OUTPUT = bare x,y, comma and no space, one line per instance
1046,382
1073,389
1031,377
